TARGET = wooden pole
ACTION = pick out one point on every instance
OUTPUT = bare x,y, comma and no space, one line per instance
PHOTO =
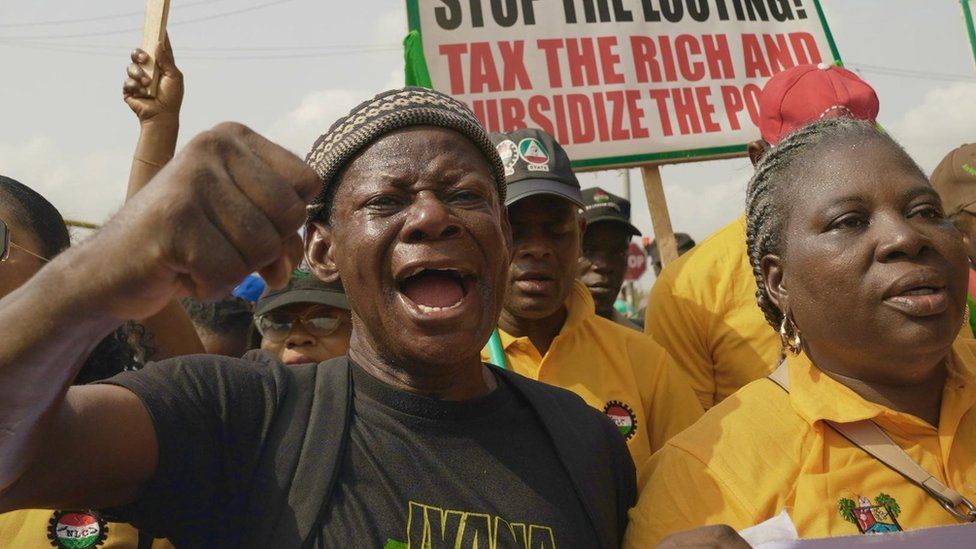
80,224
667,247
153,32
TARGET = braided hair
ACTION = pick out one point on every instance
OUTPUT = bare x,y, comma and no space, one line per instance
767,207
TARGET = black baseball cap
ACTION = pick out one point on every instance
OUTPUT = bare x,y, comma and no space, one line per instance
535,164
303,287
600,205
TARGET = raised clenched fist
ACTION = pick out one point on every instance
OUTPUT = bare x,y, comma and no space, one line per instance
230,203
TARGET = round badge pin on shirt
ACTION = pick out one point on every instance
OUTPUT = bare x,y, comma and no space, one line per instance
76,530
623,417
509,154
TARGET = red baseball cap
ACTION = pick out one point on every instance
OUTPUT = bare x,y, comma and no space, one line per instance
803,94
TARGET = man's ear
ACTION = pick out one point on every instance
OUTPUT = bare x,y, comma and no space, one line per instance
320,251
756,151
771,269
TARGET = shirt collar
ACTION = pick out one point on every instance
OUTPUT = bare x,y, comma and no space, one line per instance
816,396
579,307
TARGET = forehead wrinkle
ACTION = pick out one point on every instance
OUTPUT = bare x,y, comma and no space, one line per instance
404,162
451,165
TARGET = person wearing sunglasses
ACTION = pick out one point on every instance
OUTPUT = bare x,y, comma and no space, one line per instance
307,321
24,251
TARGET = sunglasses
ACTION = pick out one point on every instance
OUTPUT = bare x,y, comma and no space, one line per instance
275,326
7,244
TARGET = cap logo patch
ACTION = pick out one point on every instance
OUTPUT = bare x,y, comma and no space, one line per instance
76,529
532,151
601,197
842,112
623,416
608,205
509,154
969,169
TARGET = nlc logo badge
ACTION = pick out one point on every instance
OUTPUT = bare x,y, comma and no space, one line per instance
76,530
509,155
623,417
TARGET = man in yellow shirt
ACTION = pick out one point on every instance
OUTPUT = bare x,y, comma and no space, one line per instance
603,261
702,308
548,327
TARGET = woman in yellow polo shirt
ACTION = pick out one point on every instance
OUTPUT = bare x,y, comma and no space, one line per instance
865,279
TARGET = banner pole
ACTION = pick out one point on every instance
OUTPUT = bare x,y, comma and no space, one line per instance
153,32
967,14
660,218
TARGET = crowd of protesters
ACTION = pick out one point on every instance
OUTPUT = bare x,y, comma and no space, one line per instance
196,374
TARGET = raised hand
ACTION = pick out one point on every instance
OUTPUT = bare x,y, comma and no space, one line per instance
165,106
228,204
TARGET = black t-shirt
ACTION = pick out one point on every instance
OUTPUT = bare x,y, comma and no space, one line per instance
420,472
485,467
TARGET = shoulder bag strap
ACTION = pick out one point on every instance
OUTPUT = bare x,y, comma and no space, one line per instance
868,436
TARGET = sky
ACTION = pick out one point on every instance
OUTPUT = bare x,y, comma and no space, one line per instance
289,68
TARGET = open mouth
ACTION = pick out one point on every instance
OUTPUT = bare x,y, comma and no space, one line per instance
924,297
434,290
924,290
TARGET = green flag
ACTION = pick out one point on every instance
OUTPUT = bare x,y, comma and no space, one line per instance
415,66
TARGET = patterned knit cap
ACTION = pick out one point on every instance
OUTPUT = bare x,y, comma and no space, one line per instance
386,113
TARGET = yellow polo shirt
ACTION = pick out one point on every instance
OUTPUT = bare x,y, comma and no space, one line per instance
614,369
40,528
702,310
762,450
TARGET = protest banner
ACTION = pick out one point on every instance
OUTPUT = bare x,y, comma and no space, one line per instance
153,32
618,82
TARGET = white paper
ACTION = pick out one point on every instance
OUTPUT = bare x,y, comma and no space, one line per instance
778,528
962,536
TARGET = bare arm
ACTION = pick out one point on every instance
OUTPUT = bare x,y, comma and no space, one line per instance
159,116
40,369
159,126
229,204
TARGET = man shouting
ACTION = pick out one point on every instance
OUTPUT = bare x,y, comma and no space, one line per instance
408,441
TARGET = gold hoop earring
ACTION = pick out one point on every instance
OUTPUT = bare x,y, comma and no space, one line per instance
789,336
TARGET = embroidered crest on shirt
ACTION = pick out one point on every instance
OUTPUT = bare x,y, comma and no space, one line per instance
76,529
878,517
623,416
